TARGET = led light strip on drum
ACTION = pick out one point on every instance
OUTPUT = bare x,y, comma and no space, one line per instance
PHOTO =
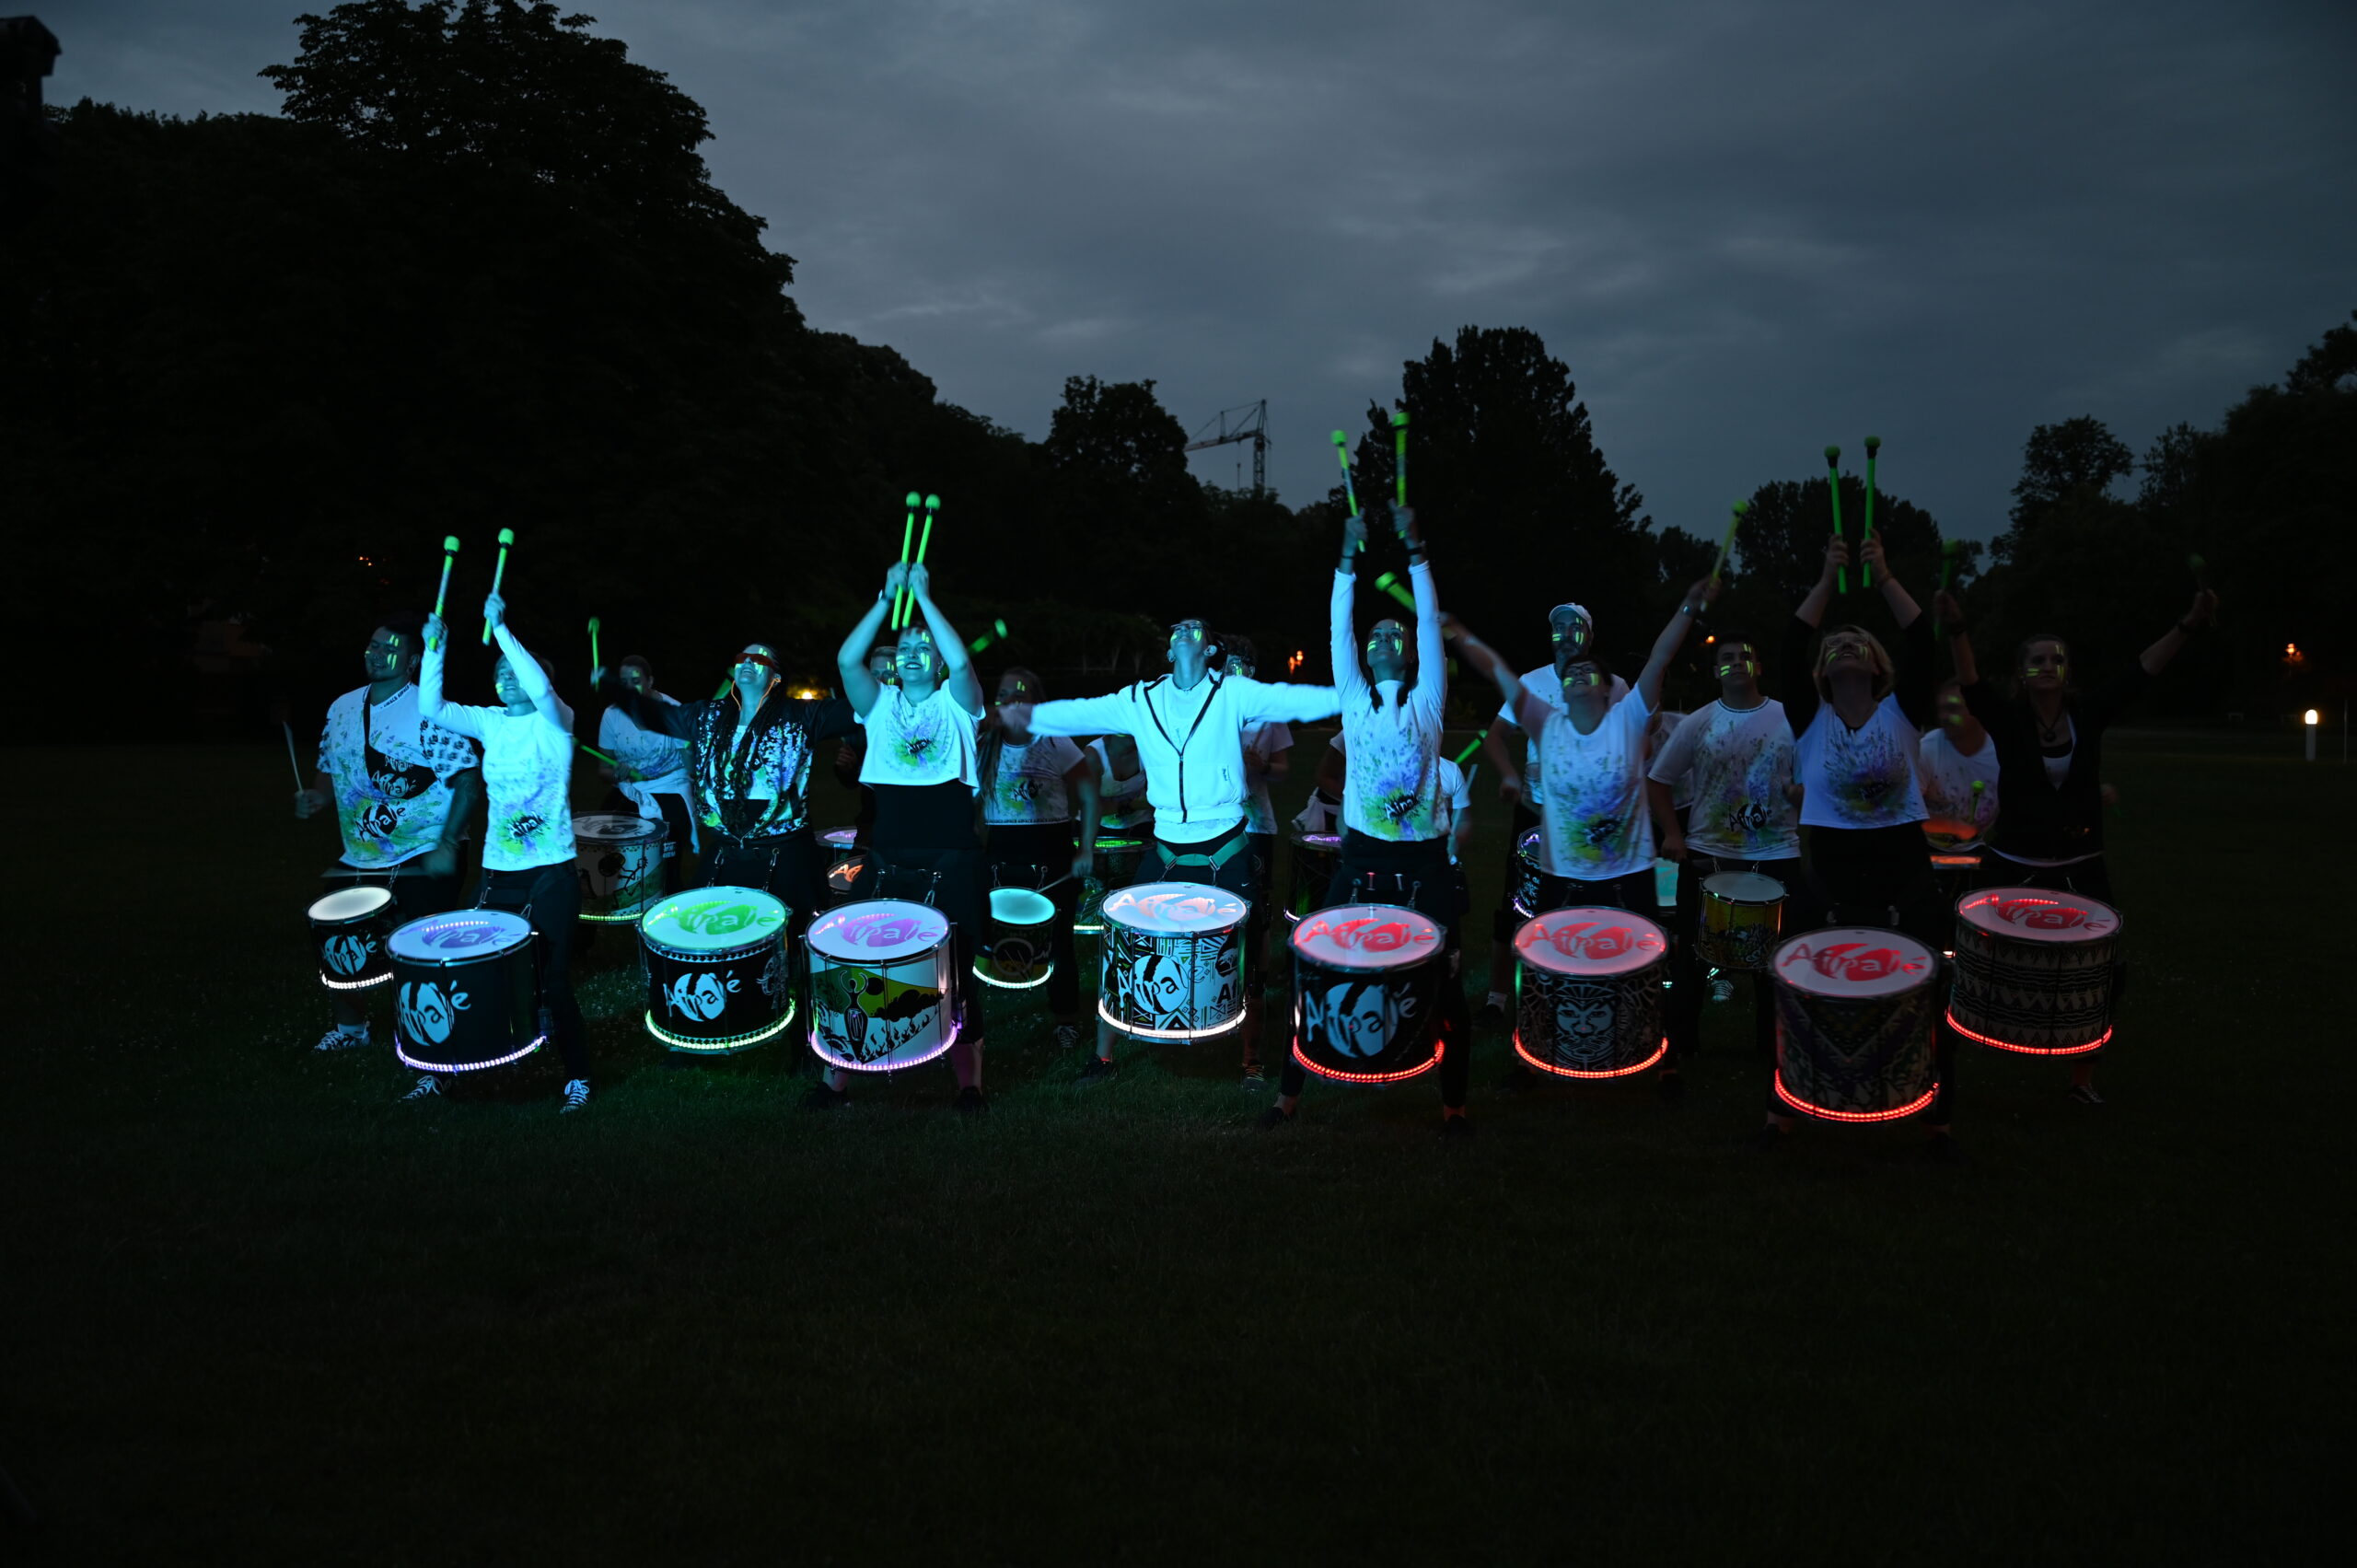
352,984
1139,1031
1338,1076
2096,1044
1806,1109
1014,985
408,1061
848,1065
1659,1052
724,1043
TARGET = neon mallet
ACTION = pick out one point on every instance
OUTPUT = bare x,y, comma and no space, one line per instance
1726,541
449,554
1389,583
1866,569
932,510
907,536
1833,484
1476,746
594,660
599,755
997,632
1400,456
498,576
1343,456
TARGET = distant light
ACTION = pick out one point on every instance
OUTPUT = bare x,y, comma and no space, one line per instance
2312,718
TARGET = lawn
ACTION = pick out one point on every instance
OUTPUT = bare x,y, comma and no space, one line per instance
256,1310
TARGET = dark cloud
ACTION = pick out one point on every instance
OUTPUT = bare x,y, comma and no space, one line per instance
1748,229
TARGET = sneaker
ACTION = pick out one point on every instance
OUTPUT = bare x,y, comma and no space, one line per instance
2085,1094
1101,1069
428,1087
969,1101
822,1097
1276,1116
1256,1077
1521,1080
576,1095
1067,1036
1721,989
339,1038
1672,1086
1457,1127
1493,1010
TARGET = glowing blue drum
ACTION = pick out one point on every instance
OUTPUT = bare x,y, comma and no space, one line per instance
466,991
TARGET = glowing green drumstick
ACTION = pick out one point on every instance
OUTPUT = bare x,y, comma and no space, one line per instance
1726,541
498,576
449,554
908,533
594,660
1400,456
1389,583
1833,482
1476,746
599,755
997,632
1343,456
1867,569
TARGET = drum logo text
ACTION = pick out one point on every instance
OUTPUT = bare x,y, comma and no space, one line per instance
703,994
1177,908
1357,1018
878,929
348,954
1590,939
1856,961
473,933
2041,914
718,917
425,1013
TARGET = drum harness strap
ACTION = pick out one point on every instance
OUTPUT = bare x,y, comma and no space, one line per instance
1146,699
1211,862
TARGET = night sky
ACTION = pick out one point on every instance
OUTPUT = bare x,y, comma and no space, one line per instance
1748,229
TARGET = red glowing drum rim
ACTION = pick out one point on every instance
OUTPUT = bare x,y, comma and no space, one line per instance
2039,916
1874,979
1539,944
842,934
1360,939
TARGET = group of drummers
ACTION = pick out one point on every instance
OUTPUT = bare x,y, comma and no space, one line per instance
1899,863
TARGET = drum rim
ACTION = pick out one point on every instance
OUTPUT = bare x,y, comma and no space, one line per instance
1658,930
1243,908
649,828
1422,954
2072,939
1930,977
870,959
485,954
1782,890
384,893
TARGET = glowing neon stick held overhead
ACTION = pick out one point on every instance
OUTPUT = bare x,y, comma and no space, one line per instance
1343,456
1469,750
1726,541
1389,583
908,536
594,660
1867,569
498,576
1833,484
1400,456
449,554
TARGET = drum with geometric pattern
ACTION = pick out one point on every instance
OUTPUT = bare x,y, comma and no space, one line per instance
2034,970
1855,1008
1172,962
1589,993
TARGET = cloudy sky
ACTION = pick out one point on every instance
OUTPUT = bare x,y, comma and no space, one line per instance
1749,229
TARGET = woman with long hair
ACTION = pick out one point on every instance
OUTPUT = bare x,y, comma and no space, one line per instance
1032,788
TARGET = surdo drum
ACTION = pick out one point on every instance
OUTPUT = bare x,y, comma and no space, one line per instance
1173,960
620,858
1018,957
1366,985
1587,993
844,860
350,927
883,986
1854,1010
716,973
466,991
1527,873
1742,912
1117,862
2034,970
1315,857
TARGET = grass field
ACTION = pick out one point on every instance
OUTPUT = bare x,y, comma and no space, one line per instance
254,1310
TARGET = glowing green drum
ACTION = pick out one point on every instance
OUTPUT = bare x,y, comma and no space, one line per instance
1018,957
716,976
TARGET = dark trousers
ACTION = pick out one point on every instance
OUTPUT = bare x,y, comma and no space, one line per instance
1687,973
951,881
550,897
1508,919
1036,854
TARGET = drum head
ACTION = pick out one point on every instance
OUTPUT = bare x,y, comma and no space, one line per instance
1596,943
1320,841
352,904
1365,936
459,936
1175,909
1021,906
614,826
1855,961
712,920
2038,914
879,931
1744,887
840,837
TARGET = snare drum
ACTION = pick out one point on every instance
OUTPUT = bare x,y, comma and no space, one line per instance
2034,970
1854,1010
717,975
620,858
466,991
1018,957
845,859
350,927
1587,993
1173,960
1742,912
1117,862
1366,988
883,986
1527,873
1316,858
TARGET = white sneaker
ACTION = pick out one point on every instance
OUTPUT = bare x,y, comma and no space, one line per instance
428,1087
336,1039
576,1095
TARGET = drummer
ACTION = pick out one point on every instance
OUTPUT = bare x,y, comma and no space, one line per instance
1395,821
1268,749
650,766
528,861
2049,739
402,791
1033,789
1957,769
1735,757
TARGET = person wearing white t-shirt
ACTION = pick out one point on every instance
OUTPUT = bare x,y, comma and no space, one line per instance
528,863
1957,769
1033,789
650,766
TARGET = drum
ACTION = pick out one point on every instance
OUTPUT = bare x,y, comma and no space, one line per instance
466,991
350,927
883,986
1173,960
1742,912
1316,858
716,966
1117,862
1018,957
1587,993
1366,988
2034,970
845,859
1527,873
620,858
1854,1010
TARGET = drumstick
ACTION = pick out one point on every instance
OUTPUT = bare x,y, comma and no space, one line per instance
1400,455
498,576
1833,484
932,505
290,754
1389,583
1866,569
449,554
908,535
1476,746
1726,541
998,630
1350,489
599,755
594,660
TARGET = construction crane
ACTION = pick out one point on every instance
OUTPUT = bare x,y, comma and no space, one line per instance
1251,423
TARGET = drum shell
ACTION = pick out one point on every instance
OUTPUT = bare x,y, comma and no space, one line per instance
1856,1057
2044,998
622,877
1172,984
1018,955
1527,873
486,1006
1314,865
1407,996
1117,866
907,1026
720,1001
352,951
1736,934
1589,1026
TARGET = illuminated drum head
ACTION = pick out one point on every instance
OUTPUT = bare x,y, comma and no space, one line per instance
880,930
614,826
840,837
2038,914
1744,887
1112,843
1855,961
1320,841
352,904
1021,906
1596,943
1365,936
1175,908
712,920
458,935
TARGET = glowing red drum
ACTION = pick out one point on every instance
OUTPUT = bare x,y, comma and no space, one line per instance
1587,993
1854,1010
350,927
1316,858
1173,960
2034,970
883,986
1367,981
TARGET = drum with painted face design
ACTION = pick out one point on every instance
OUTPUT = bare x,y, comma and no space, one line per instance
1367,987
1173,960
2034,970
1018,955
350,927
1742,912
1527,873
1117,862
466,991
844,861
883,977
1587,993
1315,857
620,858
715,967
1854,1011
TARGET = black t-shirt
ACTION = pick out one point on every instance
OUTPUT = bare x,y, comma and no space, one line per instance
2036,819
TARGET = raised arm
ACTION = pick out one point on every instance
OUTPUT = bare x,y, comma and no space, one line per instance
1108,715
529,673
1082,780
1495,747
1811,608
860,688
1259,701
1949,613
430,706
1432,653
1342,645
956,663
1673,636
2156,659
1903,607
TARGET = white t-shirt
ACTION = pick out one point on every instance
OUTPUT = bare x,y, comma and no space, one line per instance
1959,816
389,773
659,759
931,742
1738,763
1547,687
1593,824
527,777
1861,778
1120,802
1261,742
1391,731
1028,784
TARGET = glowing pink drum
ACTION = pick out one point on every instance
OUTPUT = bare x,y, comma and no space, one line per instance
2034,970
466,991
1173,960
1367,981
883,986
1854,1010
350,927
1587,993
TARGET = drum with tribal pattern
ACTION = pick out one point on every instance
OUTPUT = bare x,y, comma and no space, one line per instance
717,974
350,927
1173,960
883,979
1366,988
2034,970
1855,1008
466,991
1588,991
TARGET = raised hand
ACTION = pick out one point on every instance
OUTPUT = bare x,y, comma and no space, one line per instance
896,577
494,611
1950,611
436,629
1837,555
1403,519
1354,534
2204,610
920,580
1872,552
1704,591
